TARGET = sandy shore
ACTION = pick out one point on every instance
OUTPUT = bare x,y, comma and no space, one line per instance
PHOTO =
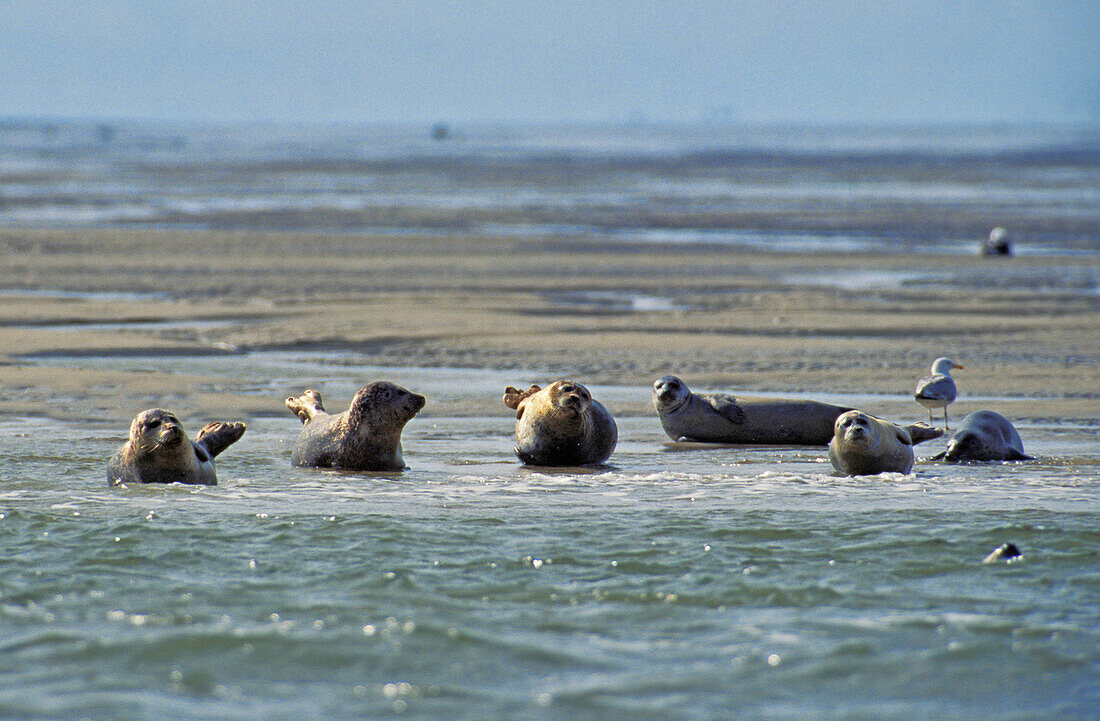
801,324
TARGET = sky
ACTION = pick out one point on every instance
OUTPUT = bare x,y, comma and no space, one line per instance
611,61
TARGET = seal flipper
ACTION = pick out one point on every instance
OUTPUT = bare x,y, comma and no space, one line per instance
1015,455
921,432
514,396
216,436
939,456
306,406
726,406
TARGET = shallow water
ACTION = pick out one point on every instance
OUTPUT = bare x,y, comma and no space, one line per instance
678,582
800,189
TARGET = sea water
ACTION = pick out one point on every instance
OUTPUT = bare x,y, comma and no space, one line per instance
748,186
680,581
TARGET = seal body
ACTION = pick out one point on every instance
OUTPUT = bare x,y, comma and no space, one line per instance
365,437
561,425
863,445
984,436
159,451
724,418
937,390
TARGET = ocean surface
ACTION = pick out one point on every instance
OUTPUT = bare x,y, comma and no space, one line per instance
777,188
678,582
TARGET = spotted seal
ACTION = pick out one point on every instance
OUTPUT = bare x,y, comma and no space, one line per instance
561,425
984,436
365,437
159,451
724,418
863,445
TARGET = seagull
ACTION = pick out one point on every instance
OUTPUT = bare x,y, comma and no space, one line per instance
938,389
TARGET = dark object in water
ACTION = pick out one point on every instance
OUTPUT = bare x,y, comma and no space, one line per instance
998,243
1004,552
440,131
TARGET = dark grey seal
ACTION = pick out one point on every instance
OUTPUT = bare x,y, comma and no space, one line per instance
159,451
724,418
984,436
365,437
561,425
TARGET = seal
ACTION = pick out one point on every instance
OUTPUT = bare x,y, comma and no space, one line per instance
863,445
937,390
724,418
365,437
984,436
159,451
561,425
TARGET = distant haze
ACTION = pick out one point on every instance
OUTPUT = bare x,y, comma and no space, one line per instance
959,61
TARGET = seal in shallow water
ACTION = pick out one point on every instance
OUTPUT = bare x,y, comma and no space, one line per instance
984,436
365,437
863,445
159,451
561,425
724,418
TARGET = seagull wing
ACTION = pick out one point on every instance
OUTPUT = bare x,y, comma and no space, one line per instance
936,388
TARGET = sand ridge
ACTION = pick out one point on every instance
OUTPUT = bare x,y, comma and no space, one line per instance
721,317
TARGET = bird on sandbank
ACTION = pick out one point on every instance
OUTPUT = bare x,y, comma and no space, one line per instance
938,389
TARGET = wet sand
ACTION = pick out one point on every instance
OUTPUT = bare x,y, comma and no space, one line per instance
602,312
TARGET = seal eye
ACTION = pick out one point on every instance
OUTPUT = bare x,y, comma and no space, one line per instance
153,423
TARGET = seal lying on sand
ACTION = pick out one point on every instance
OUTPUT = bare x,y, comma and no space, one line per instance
561,425
160,452
984,436
723,418
365,437
863,445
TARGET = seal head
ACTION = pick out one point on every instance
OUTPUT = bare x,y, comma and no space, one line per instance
159,451
365,437
984,436
561,425
863,445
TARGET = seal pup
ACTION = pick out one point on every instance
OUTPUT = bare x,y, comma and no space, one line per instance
561,425
724,418
159,451
863,445
365,437
984,436
938,389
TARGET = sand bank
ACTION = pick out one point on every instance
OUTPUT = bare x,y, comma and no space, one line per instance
803,324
